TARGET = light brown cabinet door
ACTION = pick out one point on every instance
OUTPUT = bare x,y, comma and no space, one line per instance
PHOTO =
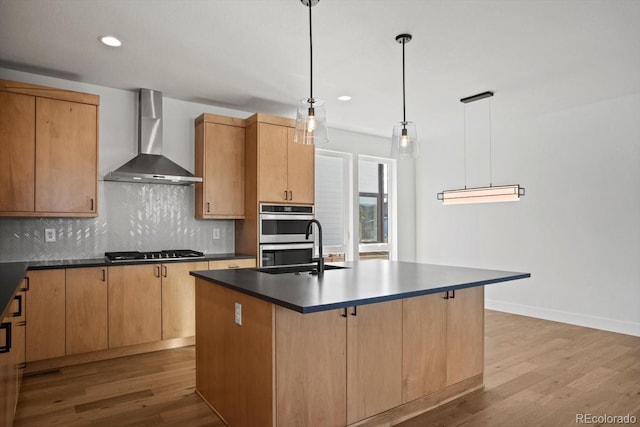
300,166
17,145
273,148
135,304
45,334
66,157
374,359
179,299
310,368
465,334
86,313
424,345
222,165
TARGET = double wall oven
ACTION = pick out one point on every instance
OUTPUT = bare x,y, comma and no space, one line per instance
282,230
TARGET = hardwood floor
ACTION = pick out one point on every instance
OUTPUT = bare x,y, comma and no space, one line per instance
537,373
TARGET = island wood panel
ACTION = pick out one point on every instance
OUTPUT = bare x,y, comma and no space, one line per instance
424,345
135,312
272,170
178,299
86,310
374,359
46,317
301,172
66,157
235,363
17,143
465,334
311,368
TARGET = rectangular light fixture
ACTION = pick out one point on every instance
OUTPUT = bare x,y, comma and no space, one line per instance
503,193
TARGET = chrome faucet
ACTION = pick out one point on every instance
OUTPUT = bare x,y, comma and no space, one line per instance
320,259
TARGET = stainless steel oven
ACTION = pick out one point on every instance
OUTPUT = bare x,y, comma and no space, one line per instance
285,254
282,230
284,223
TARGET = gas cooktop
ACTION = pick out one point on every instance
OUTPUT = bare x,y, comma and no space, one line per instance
152,256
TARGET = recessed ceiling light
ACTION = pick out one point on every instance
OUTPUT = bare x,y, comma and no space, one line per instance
110,41
344,98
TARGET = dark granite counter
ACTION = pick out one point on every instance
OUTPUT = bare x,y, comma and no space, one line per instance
11,274
364,282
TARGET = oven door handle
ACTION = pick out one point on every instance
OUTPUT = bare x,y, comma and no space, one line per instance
298,217
287,246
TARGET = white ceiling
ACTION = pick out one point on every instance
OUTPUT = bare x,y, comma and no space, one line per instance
253,55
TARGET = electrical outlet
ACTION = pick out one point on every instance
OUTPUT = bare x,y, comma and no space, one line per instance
239,313
49,235
216,233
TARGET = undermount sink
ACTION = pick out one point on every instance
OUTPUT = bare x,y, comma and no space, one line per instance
311,268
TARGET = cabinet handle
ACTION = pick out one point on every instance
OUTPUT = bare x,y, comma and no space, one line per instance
290,195
446,295
286,195
157,271
453,294
22,365
7,344
233,266
19,312
22,323
208,207
164,271
26,279
355,310
91,204
344,313
104,275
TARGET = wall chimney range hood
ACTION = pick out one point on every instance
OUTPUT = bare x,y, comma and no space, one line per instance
150,166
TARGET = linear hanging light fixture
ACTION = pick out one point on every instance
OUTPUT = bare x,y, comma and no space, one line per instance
311,118
404,140
502,193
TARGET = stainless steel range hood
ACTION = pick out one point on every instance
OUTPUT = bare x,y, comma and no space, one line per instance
150,166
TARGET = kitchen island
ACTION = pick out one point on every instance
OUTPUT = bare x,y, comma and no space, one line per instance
377,342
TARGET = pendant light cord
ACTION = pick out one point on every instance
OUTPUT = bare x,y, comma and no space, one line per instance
404,112
490,150
310,56
465,144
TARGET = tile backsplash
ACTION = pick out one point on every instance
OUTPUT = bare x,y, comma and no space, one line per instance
132,217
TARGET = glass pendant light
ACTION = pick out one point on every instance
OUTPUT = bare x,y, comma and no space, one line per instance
404,140
311,118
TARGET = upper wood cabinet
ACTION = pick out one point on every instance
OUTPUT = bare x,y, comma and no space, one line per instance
50,137
285,171
220,161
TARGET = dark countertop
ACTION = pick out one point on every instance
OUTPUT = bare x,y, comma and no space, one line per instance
12,273
365,282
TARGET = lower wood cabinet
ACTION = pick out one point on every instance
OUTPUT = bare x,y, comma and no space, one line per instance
443,336
179,299
12,357
135,304
46,320
86,310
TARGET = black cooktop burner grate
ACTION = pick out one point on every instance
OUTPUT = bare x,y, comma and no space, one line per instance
152,256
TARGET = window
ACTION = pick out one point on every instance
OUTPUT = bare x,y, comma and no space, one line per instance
373,209
332,194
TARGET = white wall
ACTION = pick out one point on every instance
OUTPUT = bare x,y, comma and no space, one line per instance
577,230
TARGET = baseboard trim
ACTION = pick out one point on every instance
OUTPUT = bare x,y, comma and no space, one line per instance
77,359
595,322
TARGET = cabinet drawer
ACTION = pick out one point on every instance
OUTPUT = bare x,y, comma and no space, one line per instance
232,263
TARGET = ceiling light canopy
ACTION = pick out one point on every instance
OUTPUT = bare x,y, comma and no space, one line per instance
311,118
110,41
404,140
502,193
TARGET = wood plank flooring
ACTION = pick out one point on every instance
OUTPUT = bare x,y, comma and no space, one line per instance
537,373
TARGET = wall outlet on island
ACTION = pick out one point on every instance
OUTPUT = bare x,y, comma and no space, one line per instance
49,235
216,233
